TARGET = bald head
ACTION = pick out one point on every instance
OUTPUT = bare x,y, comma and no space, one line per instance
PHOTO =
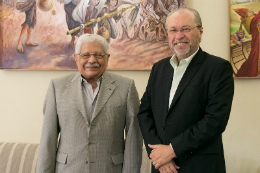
192,11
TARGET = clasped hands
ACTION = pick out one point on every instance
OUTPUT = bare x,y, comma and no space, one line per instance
162,158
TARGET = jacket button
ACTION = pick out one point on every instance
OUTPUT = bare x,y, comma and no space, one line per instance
86,162
163,127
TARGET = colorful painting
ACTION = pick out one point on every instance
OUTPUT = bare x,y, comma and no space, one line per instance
244,38
41,34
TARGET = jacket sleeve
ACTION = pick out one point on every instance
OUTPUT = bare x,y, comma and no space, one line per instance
133,139
145,117
49,139
214,121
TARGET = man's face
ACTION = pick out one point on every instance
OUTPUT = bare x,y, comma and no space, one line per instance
91,68
183,44
250,13
241,35
113,2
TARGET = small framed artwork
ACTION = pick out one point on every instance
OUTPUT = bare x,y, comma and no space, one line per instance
244,38
41,34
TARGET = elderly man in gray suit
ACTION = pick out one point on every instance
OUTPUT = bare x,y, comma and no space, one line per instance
90,123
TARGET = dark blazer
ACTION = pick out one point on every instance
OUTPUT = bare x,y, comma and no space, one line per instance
198,114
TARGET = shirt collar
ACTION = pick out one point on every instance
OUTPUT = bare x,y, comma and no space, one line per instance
85,81
174,61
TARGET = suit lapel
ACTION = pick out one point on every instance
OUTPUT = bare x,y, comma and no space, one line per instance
106,89
76,91
167,79
188,75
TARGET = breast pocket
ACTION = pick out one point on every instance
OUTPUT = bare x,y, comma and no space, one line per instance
115,117
115,110
195,93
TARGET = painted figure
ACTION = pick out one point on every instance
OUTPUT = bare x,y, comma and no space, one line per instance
29,7
251,22
238,36
91,15
84,12
106,27
156,12
71,23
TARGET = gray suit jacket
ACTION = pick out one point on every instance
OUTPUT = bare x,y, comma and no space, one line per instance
98,146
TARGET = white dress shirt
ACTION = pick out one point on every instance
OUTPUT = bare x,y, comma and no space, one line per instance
90,96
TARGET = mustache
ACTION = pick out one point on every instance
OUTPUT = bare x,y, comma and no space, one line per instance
89,65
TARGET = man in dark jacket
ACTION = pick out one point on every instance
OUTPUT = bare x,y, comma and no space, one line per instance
187,102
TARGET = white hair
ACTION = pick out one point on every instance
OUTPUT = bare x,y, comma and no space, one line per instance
85,38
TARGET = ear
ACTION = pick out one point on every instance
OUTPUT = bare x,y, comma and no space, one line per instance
201,30
108,55
76,57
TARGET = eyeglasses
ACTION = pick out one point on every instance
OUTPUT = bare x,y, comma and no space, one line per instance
183,30
97,55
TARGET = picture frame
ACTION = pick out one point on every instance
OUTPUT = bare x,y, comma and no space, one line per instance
244,38
139,42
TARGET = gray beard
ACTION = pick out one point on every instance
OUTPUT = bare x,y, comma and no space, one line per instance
187,53
181,53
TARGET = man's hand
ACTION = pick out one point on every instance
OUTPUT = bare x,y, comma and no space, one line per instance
98,19
93,20
170,167
107,15
161,155
123,10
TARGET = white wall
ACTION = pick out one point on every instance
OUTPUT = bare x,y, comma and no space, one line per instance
22,94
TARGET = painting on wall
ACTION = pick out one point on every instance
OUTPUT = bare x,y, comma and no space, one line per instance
244,38
41,34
